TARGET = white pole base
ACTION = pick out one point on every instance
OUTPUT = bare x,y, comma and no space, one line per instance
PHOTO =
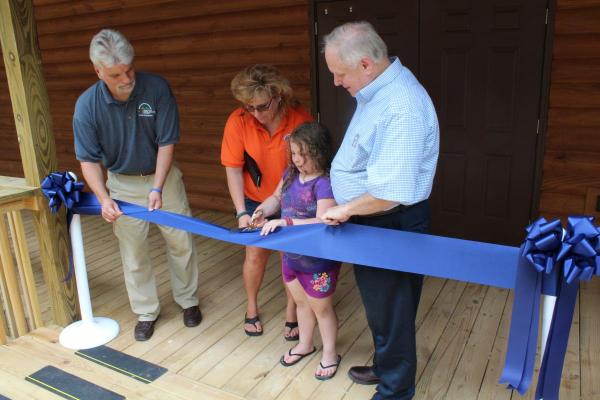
87,334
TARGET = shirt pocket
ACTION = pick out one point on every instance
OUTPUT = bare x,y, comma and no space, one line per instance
362,143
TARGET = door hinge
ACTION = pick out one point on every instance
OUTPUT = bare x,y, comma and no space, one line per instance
547,16
537,129
318,117
316,29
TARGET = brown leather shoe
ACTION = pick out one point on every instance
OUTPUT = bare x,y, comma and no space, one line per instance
363,375
192,316
144,330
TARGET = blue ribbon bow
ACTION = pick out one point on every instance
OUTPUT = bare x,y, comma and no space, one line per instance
579,255
547,247
580,250
536,272
542,241
61,188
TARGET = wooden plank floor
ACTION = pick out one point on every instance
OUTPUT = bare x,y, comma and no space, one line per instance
462,333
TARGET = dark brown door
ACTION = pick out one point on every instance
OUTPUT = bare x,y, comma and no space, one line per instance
481,62
398,24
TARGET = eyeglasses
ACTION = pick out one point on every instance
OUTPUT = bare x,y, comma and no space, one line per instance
260,108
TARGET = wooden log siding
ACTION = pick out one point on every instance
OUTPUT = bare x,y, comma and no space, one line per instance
572,157
197,46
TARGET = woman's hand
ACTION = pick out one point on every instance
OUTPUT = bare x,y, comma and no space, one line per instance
258,218
243,221
271,225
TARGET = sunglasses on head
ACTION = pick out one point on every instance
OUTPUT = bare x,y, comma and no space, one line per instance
260,108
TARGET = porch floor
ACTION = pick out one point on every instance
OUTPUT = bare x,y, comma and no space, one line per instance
462,334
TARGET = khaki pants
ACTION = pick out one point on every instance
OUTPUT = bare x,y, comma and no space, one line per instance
132,234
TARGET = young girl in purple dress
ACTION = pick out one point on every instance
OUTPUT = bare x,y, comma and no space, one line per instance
303,195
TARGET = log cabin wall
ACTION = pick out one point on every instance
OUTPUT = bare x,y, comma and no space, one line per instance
198,46
571,168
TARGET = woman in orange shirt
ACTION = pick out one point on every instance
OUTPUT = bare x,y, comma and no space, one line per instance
254,153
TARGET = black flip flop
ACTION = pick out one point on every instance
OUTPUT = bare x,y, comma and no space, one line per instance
326,377
301,356
291,325
252,321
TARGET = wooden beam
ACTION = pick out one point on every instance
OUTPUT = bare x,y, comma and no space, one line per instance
12,283
23,63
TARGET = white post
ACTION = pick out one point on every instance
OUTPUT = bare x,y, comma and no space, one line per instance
548,303
83,289
89,332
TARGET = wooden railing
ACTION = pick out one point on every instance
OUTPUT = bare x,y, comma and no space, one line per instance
20,308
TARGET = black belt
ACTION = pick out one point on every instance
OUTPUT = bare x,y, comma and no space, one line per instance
136,173
393,210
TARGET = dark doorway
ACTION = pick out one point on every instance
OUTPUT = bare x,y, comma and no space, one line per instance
481,63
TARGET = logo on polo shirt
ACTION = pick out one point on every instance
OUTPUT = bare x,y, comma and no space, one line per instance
145,110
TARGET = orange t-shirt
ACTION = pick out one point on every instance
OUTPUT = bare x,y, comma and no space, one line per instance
244,132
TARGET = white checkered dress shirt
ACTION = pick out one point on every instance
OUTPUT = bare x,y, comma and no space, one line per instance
391,146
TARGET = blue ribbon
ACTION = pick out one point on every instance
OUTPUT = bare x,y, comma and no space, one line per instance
536,271
477,262
61,188
531,270
579,254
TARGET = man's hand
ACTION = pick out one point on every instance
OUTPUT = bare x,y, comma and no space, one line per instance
336,215
154,201
110,210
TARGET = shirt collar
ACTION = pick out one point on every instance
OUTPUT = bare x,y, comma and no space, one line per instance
388,75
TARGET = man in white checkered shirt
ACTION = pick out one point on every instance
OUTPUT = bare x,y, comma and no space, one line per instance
382,176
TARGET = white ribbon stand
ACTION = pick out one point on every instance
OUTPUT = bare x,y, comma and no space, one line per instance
548,303
89,332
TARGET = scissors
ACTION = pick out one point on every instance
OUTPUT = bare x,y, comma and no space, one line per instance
252,226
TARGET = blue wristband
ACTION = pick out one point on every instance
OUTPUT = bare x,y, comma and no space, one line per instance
157,190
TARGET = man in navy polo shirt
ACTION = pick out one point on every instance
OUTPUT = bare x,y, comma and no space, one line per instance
128,122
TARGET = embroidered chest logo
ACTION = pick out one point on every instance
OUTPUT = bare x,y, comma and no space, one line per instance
145,110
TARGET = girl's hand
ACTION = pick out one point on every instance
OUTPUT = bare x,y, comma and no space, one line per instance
271,225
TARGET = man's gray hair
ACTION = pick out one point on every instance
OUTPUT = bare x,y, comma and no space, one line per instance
354,41
109,48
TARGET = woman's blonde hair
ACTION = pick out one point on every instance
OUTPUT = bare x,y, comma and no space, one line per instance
262,79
